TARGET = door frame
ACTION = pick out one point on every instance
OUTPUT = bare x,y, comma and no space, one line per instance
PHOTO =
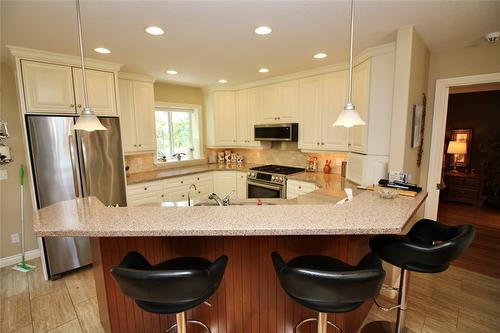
439,131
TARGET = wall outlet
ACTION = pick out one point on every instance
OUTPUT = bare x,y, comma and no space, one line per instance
3,175
14,238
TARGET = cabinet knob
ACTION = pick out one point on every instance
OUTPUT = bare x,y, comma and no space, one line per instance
135,145
322,143
79,105
300,187
317,143
182,182
199,192
72,105
140,145
145,189
183,195
163,195
197,178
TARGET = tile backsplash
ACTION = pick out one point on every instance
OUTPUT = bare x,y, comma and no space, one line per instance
284,154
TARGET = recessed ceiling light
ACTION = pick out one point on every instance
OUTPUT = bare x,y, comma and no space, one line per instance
263,70
263,30
102,50
154,30
222,81
172,72
320,55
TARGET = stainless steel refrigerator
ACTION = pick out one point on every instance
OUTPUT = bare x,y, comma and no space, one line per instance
67,164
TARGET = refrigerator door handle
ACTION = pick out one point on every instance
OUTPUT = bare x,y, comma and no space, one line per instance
83,166
74,164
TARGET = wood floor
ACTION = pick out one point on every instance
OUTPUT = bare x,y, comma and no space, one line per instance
483,256
454,301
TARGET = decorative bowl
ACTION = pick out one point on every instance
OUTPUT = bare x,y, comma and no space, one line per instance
386,192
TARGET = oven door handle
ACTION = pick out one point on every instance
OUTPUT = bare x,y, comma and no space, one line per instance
271,187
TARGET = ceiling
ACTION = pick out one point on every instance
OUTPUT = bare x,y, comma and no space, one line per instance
209,40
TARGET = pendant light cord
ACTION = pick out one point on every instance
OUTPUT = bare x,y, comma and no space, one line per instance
349,101
84,78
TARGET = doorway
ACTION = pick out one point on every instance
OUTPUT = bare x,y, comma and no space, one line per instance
465,165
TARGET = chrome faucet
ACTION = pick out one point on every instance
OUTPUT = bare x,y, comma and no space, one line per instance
221,202
189,193
225,200
213,196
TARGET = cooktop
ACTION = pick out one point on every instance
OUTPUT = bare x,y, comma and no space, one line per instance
280,169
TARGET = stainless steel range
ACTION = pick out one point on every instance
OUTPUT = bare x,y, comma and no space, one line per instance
269,181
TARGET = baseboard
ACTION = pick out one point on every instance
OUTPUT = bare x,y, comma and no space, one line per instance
12,260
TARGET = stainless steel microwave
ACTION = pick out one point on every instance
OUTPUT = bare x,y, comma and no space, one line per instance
277,132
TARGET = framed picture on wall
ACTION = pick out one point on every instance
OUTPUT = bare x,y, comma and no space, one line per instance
417,124
463,135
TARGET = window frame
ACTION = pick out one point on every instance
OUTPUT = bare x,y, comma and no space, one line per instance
195,134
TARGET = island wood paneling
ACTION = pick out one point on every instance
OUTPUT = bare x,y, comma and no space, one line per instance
249,299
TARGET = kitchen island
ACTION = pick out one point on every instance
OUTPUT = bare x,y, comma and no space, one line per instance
249,298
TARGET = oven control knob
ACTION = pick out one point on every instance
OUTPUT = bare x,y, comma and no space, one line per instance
280,179
273,178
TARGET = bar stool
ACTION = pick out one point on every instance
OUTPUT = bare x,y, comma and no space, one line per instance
173,286
429,247
328,285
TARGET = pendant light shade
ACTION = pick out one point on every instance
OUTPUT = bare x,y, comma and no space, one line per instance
349,117
87,120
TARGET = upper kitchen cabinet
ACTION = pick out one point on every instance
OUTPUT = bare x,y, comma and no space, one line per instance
231,116
101,90
47,88
137,117
280,102
373,84
248,114
225,118
51,83
321,99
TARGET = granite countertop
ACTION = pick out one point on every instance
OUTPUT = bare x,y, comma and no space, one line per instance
142,177
366,214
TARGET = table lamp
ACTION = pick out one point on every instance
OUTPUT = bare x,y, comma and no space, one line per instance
456,148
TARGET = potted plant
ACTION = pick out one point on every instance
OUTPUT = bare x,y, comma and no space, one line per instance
490,170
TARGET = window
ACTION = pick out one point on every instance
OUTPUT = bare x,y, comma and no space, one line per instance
176,134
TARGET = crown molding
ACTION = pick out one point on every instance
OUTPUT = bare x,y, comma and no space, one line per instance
135,77
59,58
361,57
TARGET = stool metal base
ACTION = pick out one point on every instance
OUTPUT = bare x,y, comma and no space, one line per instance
323,323
383,327
181,324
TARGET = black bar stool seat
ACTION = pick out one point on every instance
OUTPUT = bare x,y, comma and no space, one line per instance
328,285
429,247
173,286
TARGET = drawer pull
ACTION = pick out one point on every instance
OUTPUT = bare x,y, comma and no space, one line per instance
162,195
199,192
183,195
197,178
182,182
145,189
300,187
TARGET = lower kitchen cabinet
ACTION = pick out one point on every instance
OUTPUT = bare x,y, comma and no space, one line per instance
224,183
241,185
294,188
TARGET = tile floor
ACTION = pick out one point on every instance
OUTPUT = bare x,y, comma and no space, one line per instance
454,301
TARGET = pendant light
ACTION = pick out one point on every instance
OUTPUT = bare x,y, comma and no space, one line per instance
349,117
87,120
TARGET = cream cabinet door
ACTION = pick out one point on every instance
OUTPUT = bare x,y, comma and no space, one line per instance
334,137
254,114
311,105
127,115
48,88
270,103
224,183
241,185
242,118
289,101
101,91
361,100
144,116
225,118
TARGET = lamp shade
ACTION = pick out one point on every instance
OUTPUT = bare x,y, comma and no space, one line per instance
456,147
349,117
89,123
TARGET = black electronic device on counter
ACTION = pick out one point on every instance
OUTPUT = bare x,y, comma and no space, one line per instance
400,185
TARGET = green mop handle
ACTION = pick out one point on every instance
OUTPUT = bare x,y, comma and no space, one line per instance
21,199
